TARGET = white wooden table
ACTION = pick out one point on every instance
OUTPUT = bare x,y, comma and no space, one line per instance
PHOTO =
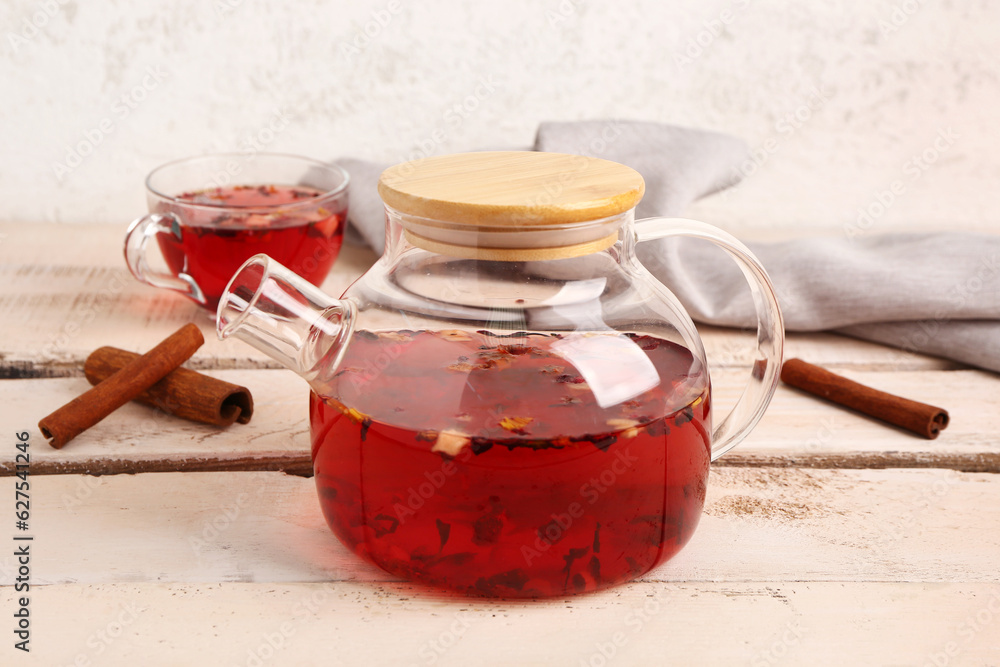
827,538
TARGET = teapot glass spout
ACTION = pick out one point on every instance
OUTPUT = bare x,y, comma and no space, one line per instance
287,318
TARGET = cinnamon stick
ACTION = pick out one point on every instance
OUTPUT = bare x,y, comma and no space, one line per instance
919,418
131,380
183,393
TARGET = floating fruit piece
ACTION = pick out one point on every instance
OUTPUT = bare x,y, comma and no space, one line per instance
455,334
393,335
500,363
568,400
450,442
499,354
337,404
626,426
516,424
356,415
326,227
461,367
257,220
514,349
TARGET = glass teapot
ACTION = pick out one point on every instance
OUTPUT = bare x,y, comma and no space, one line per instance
508,403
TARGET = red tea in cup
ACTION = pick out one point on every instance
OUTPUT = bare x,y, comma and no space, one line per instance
288,207
213,244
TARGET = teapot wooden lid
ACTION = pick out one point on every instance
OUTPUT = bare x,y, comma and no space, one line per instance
513,189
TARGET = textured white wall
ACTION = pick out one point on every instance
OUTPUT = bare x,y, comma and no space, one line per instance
873,84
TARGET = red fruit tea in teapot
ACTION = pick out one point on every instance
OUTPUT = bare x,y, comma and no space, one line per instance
521,465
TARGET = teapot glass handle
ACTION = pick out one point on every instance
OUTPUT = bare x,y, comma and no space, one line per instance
770,326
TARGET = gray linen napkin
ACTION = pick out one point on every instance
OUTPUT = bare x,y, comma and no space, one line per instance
933,293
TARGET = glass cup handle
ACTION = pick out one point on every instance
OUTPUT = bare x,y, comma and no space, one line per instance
770,326
139,233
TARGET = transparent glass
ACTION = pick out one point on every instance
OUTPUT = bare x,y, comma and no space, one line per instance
211,213
508,428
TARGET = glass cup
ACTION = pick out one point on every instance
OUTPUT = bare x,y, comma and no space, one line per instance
210,214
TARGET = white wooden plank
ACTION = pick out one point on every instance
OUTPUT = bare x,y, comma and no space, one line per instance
391,624
759,524
65,291
797,427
